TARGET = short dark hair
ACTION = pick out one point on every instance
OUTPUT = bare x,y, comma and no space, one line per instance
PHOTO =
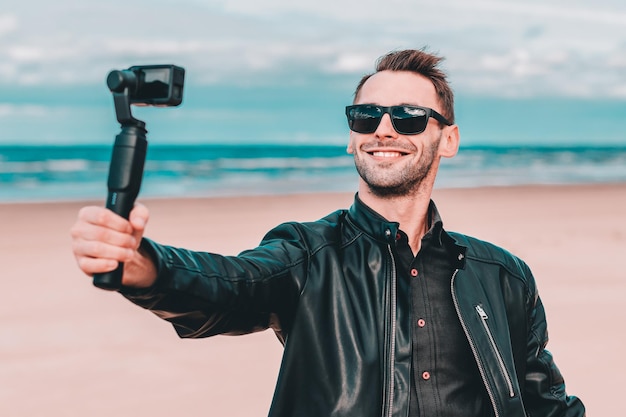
421,62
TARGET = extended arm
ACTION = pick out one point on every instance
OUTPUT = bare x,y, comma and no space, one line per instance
203,294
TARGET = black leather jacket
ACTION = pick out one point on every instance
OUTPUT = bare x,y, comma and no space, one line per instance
328,290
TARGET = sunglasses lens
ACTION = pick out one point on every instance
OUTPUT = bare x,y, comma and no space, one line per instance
409,120
364,119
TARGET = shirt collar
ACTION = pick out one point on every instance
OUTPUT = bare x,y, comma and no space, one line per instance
442,238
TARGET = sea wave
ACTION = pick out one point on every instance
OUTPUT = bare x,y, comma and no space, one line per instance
69,173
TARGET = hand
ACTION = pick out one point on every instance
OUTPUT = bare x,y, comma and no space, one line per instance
101,239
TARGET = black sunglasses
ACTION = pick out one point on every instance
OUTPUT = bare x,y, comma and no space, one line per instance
407,120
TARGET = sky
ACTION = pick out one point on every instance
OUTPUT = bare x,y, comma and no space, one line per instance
524,72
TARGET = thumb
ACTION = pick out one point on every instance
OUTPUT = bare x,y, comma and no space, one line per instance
138,220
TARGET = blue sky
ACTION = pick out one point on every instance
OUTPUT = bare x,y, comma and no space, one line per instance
527,71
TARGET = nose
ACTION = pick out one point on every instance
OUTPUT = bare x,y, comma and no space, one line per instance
385,128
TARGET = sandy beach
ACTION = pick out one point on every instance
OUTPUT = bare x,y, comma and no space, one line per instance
69,349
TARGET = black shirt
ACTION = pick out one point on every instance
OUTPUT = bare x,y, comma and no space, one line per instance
445,378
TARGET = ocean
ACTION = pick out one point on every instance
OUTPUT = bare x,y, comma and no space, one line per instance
37,173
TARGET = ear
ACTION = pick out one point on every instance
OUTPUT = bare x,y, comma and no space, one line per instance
450,140
350,148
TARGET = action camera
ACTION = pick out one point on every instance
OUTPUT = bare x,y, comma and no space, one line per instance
150,85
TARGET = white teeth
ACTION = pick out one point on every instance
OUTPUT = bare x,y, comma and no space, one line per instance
386,154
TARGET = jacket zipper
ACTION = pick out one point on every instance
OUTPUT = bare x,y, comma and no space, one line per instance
505,374
481,366
392,337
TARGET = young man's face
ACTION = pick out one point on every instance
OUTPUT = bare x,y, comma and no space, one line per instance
393,164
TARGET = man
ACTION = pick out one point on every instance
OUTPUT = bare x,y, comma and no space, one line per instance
381,311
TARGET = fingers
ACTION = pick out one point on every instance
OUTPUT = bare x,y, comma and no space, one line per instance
101,238
97,224
99,249
103,217
91,266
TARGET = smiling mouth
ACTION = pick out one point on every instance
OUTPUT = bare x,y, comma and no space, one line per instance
387,154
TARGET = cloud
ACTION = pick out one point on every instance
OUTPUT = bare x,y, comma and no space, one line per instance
603,12
8,24
512,48
350,63
12,110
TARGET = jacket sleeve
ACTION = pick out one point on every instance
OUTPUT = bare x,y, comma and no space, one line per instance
545,394
204,294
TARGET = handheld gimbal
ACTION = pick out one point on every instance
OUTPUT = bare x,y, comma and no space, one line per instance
151,85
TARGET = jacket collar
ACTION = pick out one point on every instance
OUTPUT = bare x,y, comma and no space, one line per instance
372,223
376,226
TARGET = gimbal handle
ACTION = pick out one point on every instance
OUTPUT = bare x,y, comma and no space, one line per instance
125,175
